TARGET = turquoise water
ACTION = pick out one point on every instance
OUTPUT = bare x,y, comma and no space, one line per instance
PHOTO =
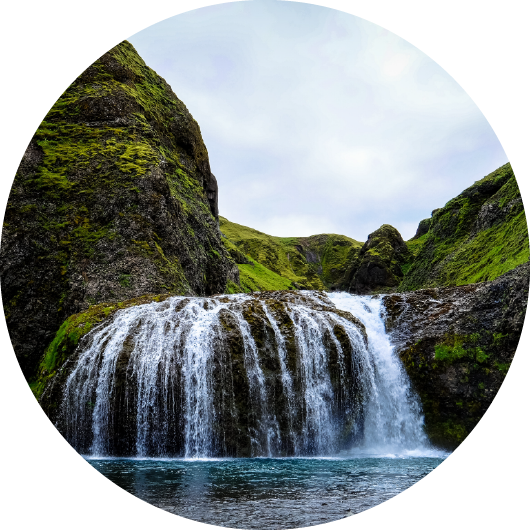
266,493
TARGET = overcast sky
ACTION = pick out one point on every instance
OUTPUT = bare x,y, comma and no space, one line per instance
318,121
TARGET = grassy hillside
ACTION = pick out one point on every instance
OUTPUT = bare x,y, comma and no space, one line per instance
477,236
315,262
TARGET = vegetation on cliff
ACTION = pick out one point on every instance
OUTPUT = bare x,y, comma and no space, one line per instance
113,199
477,236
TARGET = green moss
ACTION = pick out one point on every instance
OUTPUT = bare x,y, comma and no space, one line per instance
81,162
502,367
336,252
70,333
448,433
454,252
125,280
456,347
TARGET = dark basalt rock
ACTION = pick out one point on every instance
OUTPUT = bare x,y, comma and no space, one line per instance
457,344
377,267
113,199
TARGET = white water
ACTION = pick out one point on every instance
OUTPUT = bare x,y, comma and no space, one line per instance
393,418
170,354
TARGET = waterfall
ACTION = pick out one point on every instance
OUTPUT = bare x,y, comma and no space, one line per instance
393,418
264,374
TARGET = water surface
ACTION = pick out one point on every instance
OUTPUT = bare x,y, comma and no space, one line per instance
267,493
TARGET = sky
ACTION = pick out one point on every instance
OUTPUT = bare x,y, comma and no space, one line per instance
317,121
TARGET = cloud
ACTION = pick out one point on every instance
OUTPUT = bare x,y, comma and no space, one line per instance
319,121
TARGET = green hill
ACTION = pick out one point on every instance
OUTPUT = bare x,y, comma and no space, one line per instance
477,236
271,263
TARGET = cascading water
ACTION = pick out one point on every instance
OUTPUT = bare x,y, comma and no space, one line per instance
241,375
393,418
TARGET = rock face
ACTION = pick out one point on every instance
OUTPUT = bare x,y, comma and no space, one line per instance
423,228
113,199
457,344
378,267
242,375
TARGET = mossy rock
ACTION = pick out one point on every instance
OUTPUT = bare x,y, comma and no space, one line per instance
477,236
379,266
113,199
457,344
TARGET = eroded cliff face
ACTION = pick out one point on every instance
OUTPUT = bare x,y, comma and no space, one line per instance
114,199
457,344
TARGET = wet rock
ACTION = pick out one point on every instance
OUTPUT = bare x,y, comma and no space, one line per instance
457,344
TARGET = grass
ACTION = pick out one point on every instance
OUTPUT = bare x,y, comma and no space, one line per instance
256,277
458,250
314,262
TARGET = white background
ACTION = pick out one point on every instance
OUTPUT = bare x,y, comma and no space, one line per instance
483,44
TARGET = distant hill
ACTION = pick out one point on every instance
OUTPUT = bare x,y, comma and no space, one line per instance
477,236
276,263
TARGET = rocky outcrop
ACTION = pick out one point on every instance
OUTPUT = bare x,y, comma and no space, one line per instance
378,266
423,228
456,345
113,199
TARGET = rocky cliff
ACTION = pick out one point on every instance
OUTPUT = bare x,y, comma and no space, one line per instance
113,199
457,344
